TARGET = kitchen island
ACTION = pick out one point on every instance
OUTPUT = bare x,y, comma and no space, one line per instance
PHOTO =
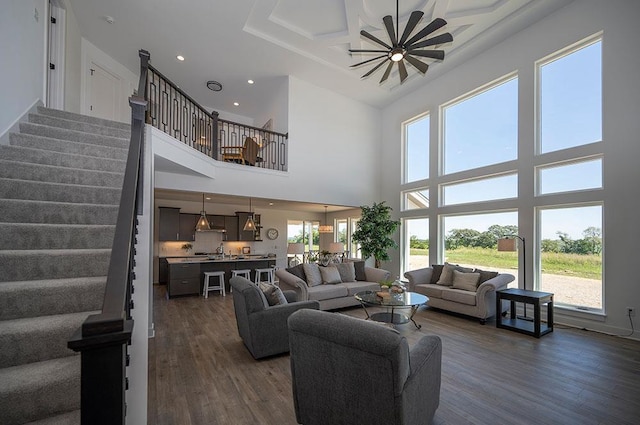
186,274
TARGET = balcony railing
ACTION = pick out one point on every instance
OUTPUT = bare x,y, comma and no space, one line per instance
174,112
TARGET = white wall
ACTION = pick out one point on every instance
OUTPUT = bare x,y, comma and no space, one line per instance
277,109
22,48
621,135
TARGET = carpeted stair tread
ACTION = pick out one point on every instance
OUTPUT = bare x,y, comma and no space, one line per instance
82,118
67,147
58,192
69,418
36,339
50,296
28,211
72,135
39,390
26,155
56,174
84,127
53,263
56,236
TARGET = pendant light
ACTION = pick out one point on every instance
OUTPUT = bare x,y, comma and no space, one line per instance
325,228
250,225
203,224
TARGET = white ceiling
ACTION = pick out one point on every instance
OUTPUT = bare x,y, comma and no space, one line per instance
232,41
235,40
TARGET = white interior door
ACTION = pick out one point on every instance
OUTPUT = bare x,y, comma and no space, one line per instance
104,89
55,76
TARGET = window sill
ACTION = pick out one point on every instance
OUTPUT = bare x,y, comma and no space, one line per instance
570,311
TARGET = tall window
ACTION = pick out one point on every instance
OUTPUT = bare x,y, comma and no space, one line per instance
305,232
417,149
570,115
571,255
483,129
471,241
345,228
571,98
416,243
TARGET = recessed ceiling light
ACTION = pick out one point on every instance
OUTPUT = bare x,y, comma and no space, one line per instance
180,58
208,198
270,204
250,81
236,104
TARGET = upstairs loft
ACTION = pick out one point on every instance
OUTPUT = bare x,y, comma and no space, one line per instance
175,113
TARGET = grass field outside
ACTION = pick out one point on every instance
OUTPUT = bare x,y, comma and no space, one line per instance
575,265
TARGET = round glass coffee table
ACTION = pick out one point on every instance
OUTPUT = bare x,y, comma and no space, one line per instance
392,301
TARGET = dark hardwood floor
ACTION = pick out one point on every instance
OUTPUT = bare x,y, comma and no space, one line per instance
201,373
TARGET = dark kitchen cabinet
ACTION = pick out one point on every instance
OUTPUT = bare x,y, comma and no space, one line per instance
188,226
163,271
216,222
231,227
184,279
169,228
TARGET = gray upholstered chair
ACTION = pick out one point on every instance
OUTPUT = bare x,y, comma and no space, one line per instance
350,371
263,328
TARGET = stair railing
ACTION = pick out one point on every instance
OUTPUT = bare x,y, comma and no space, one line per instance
174,112
103,338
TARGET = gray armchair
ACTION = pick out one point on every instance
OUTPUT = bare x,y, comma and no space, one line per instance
350,371
263,328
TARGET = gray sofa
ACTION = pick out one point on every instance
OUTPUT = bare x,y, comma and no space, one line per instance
263,328
351,371
479,303
332,296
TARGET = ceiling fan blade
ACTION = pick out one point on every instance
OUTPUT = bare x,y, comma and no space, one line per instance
434,54
367,51
374,39
367,61
415,17
439,39
422,67
388,23
386,72
374,69
403,71
433,26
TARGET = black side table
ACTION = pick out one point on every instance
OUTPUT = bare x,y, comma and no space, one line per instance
533,328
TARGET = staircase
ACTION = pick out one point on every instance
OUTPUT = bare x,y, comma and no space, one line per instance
60,184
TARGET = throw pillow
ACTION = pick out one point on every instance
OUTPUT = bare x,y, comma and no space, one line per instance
446,278
273,294
485,275
437,271
312,272
347,272
465,281
330,275
359,268
298,271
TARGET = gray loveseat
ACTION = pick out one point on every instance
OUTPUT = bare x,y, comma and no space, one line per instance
332,295
477,300
263,328
351,371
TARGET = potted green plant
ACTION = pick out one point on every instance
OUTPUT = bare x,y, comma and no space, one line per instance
374,230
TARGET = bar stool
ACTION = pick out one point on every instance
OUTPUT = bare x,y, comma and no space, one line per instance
208,287
243,273
260,272
276,281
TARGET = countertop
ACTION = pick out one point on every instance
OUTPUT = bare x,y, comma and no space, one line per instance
206,259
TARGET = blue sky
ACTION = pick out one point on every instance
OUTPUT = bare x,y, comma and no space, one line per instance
482,130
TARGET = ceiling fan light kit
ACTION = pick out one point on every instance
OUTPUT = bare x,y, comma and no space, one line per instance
405,47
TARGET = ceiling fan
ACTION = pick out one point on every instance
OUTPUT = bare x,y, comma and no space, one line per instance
405,48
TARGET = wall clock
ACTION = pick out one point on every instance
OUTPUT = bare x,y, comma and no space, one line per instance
272,233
